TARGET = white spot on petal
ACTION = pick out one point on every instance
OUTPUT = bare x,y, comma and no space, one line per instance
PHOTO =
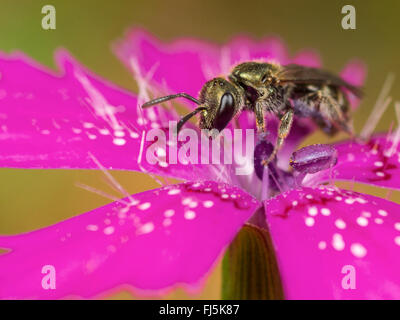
208,204
362,221
167,222
190,215
383,213
144,206
337,242
109,230
309,221
146,228
340,224
325,211
119,141
92,227
119,133
366,214
322,245
104,132
134,135
358,250
173,191
169,213
313,211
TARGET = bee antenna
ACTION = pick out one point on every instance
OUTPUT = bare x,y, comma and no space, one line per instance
170,97
187,117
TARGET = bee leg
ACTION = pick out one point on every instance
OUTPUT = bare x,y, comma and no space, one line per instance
283,131
260,122
333,114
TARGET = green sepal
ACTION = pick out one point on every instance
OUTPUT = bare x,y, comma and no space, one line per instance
249,267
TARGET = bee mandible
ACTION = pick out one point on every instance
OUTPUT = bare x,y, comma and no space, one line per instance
285,91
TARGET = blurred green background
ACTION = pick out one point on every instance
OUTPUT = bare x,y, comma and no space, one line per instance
31,199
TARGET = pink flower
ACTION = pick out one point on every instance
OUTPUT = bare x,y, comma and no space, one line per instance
173,235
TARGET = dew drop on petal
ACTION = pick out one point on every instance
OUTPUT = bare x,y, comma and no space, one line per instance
242,204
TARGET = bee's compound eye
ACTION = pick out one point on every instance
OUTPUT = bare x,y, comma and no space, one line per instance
225,111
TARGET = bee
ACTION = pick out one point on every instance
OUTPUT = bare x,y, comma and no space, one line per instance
283,90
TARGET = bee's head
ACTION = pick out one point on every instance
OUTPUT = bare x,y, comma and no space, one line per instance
219,102
222,101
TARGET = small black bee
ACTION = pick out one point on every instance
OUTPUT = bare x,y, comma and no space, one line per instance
266,87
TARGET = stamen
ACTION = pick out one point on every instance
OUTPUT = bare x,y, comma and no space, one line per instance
139,161
380,106
388,194
396,138
265,184
101,193
110,178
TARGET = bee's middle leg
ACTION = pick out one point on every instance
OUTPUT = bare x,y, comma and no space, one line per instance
260,118
285,125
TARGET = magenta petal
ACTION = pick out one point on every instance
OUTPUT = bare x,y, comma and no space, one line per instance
53,120
354,73
65,120
318,232
243,48
184,65
164,237
181,66
307,58
376,163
